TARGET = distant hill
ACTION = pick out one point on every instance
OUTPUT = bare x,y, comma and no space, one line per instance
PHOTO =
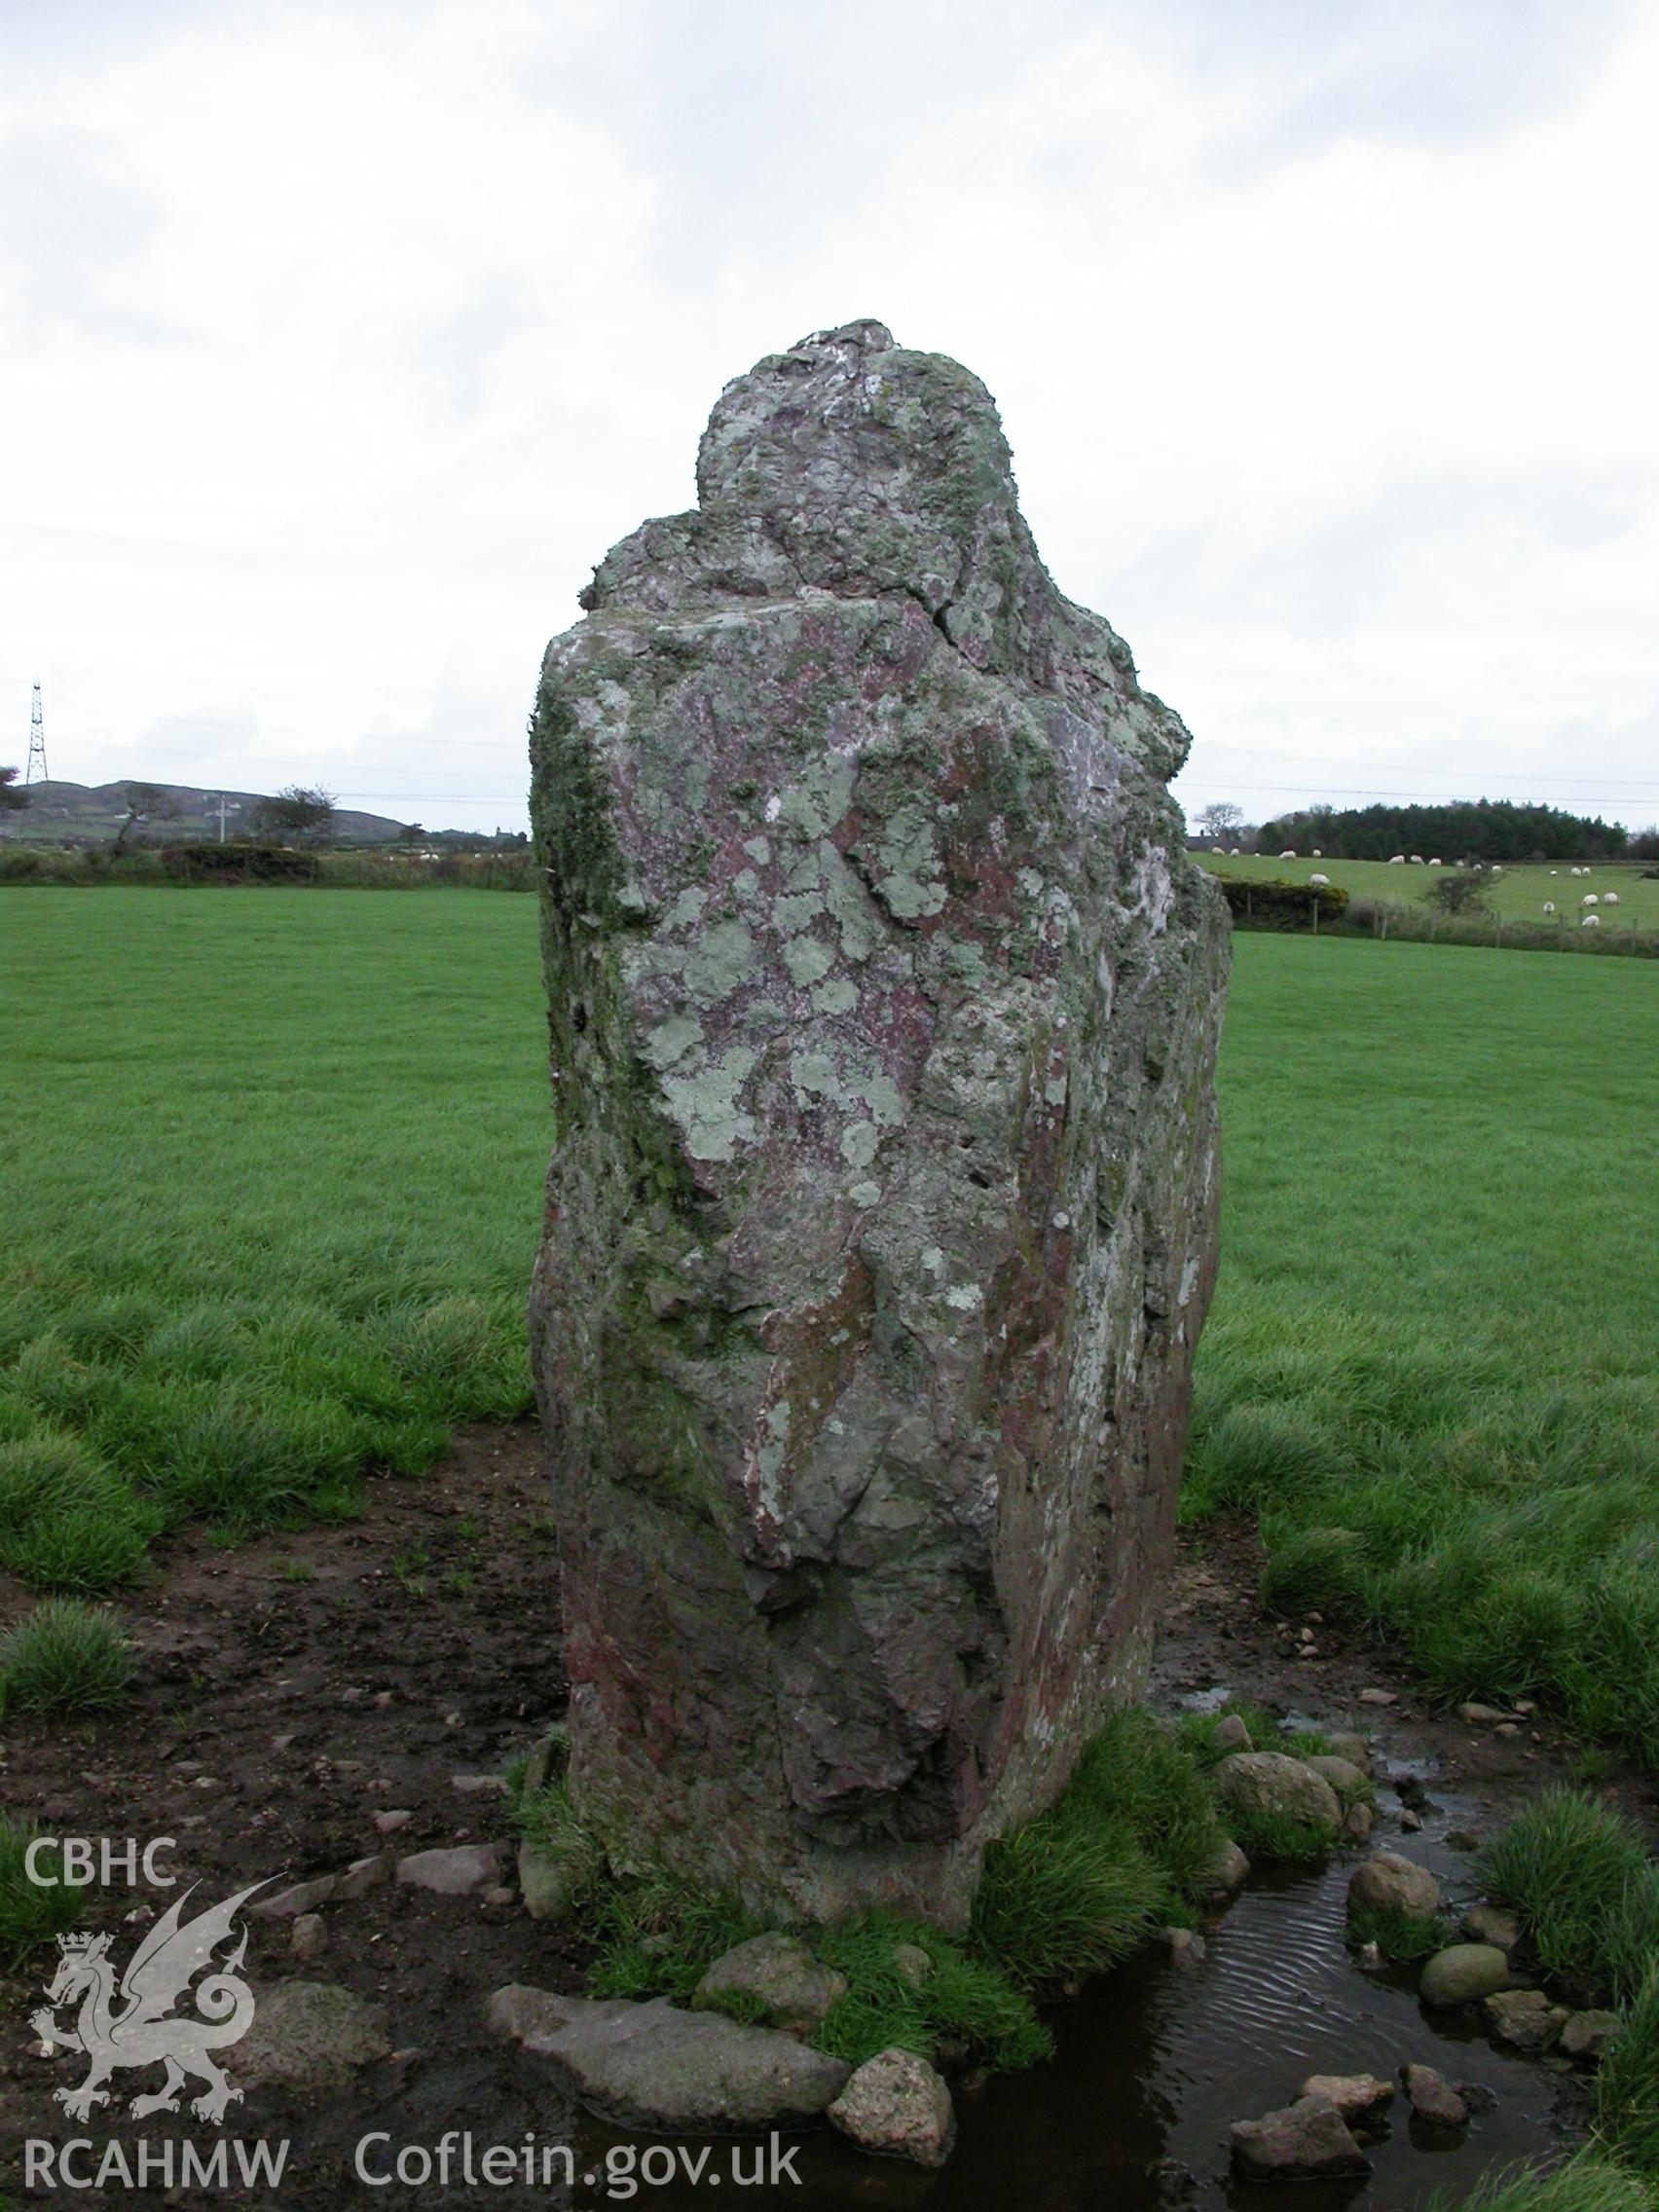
68,814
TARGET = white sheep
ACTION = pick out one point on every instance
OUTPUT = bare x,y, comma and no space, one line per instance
1435,863
1549,905
1609,898
1591,922
1417,860
1498,867
1318,854
1287,856
1318,879
1590,898
1397,860
1233,854
1555,871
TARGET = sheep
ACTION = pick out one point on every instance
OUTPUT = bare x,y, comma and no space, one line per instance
1498,867
1317,879
1287,856
1590,898
1397,860
1233,854
1549,905
1435,863
1318,854
1591,922
1417,860
1609,898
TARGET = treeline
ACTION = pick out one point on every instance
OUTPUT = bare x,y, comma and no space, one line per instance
506,868
1465,829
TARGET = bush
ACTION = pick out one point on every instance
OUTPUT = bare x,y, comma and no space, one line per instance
1461,891
1278,906
240,863
1627,2088
65,1657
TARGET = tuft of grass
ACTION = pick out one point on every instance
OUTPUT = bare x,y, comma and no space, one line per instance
1309,1570
67,1522
64,1657
30,1912
1579,1875
1075,1891
1275,1835
1626,2084
1588,2182
1402,1938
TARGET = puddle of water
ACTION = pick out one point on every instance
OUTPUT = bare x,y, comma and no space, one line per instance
1153,2065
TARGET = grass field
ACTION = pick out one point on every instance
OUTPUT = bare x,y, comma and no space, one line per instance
1517,895
273,1164
1430,1367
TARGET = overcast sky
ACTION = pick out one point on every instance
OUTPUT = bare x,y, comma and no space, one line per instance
338,342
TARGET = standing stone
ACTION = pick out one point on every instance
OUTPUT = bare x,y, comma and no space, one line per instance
881,1218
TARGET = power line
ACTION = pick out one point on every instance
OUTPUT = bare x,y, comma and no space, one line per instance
35,773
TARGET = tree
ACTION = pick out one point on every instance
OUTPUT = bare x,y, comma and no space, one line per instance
1221,819
12,795
1460,891
297,815
144,803
412,834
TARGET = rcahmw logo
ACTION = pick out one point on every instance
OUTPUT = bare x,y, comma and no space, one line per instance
126,2022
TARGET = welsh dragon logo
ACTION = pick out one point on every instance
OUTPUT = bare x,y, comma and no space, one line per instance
131,2022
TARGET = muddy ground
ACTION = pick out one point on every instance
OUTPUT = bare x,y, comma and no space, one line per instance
291,1689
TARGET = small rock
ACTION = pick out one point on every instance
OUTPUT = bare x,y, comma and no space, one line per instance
1186,1947
1525,1708
502,1892
1369,1957
912,1964
1433,2099
311,2036
1378,1697
1307,2139
453,1872
1273,1783
1353,1748
309,1935
1524,2018
1481,1715
395,1817
1353,2095
1507,1728
1410,1822
898,2103
1491,1924
779,1973
289,1904
1226,1871
287,1740
1463,1974
1358,1821
1231,1734
550,1881
479,1785
1586,2035
360,1877
1462,1839
1386,1882
1345,1778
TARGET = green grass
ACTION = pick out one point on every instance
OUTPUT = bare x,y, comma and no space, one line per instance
30,1912
1517,895
68,1657
1627,2085
1580,1877
1430,1367
272,1163
1076,1891
1585,2184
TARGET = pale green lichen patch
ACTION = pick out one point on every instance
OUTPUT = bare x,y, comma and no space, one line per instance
797,911
820,799
836,996
673,1039
706,1105
858,1143
907,865
721,960
807,959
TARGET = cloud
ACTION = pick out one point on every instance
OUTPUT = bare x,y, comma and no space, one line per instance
339,342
